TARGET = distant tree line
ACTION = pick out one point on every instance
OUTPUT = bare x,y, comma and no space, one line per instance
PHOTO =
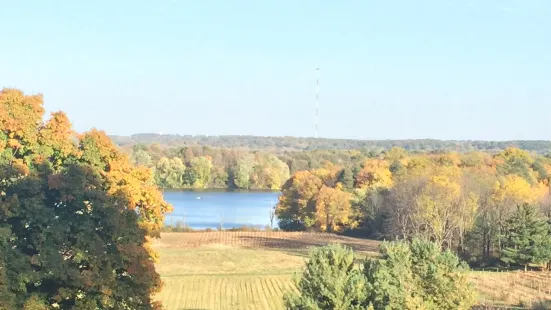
206,167
487,208
281,144
242,168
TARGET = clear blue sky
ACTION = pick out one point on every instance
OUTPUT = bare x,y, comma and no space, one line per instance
445,69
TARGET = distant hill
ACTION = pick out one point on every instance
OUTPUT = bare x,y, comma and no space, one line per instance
301,144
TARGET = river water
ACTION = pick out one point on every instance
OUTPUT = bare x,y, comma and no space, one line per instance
210,209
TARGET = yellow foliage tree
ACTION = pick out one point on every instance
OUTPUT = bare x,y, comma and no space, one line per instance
444,211
332,209
374,175
513,190
295,205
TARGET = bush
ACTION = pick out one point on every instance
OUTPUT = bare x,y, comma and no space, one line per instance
409,275
329,281
418,275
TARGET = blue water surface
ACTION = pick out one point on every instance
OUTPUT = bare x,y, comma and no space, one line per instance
231,209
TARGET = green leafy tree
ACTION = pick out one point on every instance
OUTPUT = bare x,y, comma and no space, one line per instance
201,168
245,166
82,252
169,173
330,281
346,178
141,158
268,172
526,238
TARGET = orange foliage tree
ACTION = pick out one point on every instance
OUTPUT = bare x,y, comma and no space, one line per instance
75,215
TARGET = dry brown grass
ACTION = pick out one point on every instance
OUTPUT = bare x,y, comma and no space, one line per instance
512,288
252,270
237,270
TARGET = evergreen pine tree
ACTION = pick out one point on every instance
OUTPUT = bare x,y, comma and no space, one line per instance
526,238
417,275
346,177
329,282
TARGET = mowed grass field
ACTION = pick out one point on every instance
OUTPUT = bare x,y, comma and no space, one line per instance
237,270
253,270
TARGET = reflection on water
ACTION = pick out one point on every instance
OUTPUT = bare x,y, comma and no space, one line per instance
209,209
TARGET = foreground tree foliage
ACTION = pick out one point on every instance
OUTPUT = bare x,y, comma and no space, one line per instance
409,275
329,281
418,275
75,216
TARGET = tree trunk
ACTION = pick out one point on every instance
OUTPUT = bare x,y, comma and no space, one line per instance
484,241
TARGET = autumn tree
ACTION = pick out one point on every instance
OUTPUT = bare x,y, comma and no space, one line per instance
296,207
444,210
514,161
374,174
75,216
332,209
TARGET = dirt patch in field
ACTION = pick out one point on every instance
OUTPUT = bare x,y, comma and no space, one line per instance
262,239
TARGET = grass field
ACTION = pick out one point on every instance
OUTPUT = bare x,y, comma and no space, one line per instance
237,270
252,270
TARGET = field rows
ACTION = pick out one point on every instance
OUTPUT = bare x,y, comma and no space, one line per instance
252,270
512,288
225,292
262,239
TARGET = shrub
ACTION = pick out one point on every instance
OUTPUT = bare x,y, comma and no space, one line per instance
409,275
330,281
417,275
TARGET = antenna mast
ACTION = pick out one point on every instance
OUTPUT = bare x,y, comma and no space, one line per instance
317,97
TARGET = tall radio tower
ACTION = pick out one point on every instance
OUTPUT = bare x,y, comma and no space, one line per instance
317,97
